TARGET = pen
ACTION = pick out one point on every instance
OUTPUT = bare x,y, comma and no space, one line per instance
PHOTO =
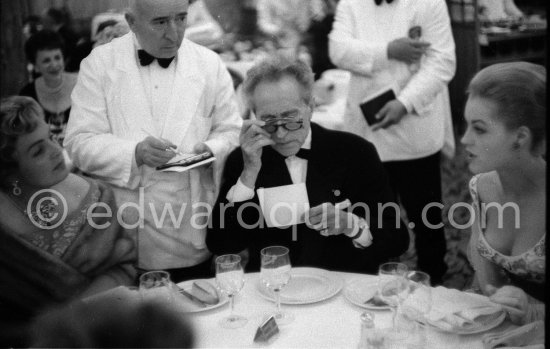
175,150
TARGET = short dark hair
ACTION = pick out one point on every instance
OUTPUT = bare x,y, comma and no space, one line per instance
19,115
275,68
43,40
519,91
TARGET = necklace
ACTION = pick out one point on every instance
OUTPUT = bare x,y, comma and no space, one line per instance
42,219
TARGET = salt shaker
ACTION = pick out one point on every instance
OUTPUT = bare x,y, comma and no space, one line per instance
370,338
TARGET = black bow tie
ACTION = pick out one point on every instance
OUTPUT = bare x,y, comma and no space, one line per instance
303,153
145,59
378,2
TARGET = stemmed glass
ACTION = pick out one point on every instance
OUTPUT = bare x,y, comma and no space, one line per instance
230,280
418,305
420,295
392,285
275,275
156,285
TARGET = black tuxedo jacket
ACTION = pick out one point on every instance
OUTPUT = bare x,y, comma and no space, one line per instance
341,166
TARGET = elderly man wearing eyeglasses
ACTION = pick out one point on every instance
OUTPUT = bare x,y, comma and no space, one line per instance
280,146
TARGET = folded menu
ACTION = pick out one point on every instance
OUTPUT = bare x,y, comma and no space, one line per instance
456,310
285,205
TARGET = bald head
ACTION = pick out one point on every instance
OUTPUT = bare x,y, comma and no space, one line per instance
158,25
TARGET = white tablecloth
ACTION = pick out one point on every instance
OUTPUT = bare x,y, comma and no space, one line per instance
333,323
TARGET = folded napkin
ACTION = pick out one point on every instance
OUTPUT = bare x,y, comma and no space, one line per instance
530,335
453,309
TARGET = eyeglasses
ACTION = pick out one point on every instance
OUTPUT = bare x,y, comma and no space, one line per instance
289,126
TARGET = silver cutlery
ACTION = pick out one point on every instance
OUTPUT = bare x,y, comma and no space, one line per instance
192,298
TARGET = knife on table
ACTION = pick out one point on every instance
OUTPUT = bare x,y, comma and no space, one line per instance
192,298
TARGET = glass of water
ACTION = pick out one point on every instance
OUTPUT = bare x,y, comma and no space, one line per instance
392,285
275,275
230,280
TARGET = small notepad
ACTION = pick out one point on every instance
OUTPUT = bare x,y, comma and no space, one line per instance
181,163
285,205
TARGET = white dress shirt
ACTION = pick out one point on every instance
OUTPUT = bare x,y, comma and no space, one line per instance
158,83
297,167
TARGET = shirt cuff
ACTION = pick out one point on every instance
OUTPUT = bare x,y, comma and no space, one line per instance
362,238
408,104
379,56
239,192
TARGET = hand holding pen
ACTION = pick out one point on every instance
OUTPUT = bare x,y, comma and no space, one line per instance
153,151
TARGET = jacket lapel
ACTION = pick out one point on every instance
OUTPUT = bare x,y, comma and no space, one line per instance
323,181
133,100
186,95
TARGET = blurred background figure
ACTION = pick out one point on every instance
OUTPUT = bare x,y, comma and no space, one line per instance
111,323
202,28
495,10
318,32
287,21
59,20
106,26
52,90
31,25
109,30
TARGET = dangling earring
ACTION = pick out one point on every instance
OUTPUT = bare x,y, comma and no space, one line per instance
16,190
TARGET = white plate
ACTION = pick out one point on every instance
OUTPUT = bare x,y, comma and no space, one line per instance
360,290
307,285
191,307
489,322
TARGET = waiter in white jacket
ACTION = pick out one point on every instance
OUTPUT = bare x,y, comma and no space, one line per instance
405,46
138,101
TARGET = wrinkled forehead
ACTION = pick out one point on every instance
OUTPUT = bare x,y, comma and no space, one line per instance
149,9
284,115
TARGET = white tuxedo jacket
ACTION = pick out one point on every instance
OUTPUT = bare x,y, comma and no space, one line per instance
108,115
358,43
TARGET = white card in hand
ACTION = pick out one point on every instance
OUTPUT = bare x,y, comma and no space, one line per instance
285,205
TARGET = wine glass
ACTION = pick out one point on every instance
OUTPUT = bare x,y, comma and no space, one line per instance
392,285
230,280
420,295
156,285
417,306
275,275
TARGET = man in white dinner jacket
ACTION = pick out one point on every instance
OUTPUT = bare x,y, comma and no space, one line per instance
138,100
406,46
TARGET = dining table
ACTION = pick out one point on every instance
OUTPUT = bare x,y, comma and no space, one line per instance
333,322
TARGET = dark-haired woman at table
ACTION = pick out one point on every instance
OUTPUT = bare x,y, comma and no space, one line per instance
59,237
53,88
505,141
